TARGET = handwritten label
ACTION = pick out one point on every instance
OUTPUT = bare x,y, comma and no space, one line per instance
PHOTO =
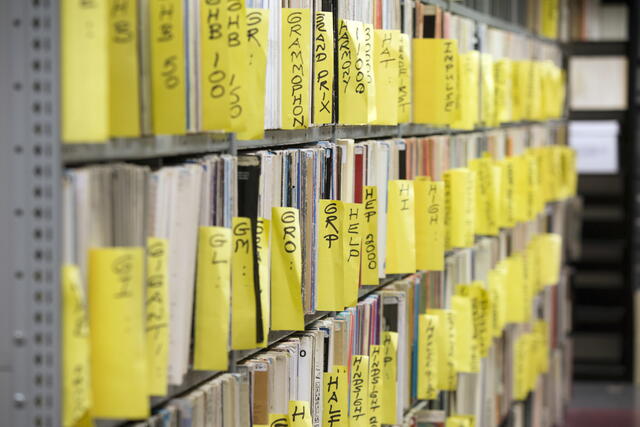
401,238
299,414
496,279
469,292
116,313
335,398
278,420
427,357
485,221
213,293
331,266
323,69
460,208
157,319
75,347
352,251
508,193
286,271
404,79
243,301
468,90
237,40
369,272
430,219
503,92
445,348
263,237
366,55
375,387
296,68
389,377
358,413
352,96
521,202
387,74
488,112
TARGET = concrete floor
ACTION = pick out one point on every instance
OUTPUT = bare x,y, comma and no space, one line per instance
601,404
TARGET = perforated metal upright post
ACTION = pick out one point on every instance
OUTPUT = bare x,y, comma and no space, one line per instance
30,170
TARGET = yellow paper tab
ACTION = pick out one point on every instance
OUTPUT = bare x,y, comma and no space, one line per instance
359,409
521,201
215,74
331,266
488,109
124,71
323,69
238,71
401,237
169,93
405,90
365,54
213,293
263,234
351,252
486,210
427,357
243,300
389,377
508,209
286,271
376,385
550,252
116,313
279,420
430,218
497,292
460,421
157,309
352,89
335,398
257,22
75,348
520,367
503,82
447,378
387,75
464,346
468,90
85,71
296,57
435,81
300,414
460,208
522,90
470,292
515,290
369,272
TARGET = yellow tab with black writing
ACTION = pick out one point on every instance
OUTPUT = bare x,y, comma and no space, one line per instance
168,80
401,238
467,112
461,307
257,22
116,313
486,210
237,42
521,189
521,90
323,69
243,300
359,398
550,252
389,377
335,398
503,82
445,349
376,384
279,420
84,71
263,252
331,266
286,271
460,208
435,81
157,317
124,69
352,92
427,357
212,305
76,399
488,110
369,273
300,414
405,87
469,292
508,209
296,58
366,56
515,292
215,74
386,75
496,279
351,251
430,219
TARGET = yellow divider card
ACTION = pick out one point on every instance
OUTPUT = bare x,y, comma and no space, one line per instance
351,252
366,55
296,58
488,108
169,93
461,307
76,373
331,275
522,90
237,38
521,201
515,292
257,22
460,208
214,74
335,398
359,408
323,69
427,357
469,292
279,420
401,237
263,252
157,315
85,71
405,90
213,293
300,414
486,209
243,300
352,90
376,385
387,75
116,315
496,279
369,271
435,81
447,375
550,252
124,70
469,90
508,210
286,271
389,377
503,81
430,219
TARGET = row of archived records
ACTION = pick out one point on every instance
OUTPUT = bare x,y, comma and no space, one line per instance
368,364
176,67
